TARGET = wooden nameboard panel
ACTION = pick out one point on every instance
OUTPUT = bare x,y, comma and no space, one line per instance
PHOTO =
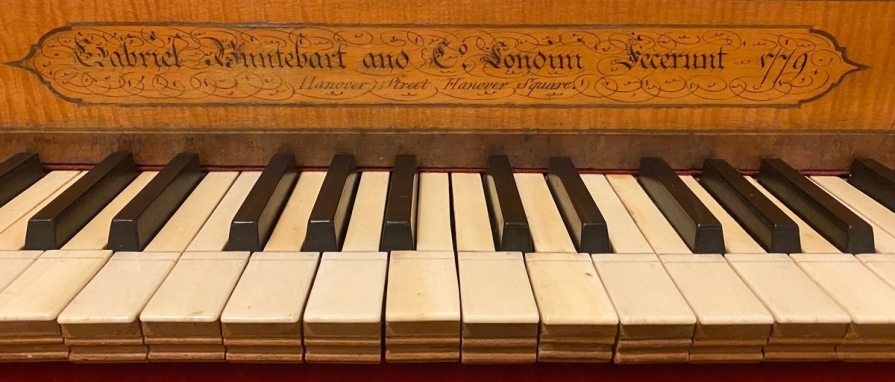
605,82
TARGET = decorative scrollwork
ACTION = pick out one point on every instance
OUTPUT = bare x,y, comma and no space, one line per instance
518,66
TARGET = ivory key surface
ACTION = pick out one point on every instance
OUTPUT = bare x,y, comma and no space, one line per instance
578,322
864,296
343,317
186,222
732,325
182,320
16,208
264,312
422,309
472,223
30,305
292,226
365,226
655,322
500,315
624,235
95,235
106,311
658,232
13,263
434,213
13,237
216,230
808,324
548,231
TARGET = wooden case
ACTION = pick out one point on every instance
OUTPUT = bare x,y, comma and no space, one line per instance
605,81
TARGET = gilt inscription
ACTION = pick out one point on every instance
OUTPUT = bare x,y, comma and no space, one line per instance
422,65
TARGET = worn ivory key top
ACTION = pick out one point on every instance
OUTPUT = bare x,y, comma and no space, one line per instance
30,305
262,319
182,320
578,322
500,316
808,324
343,318
422,309
864,296
101,323
732,325
655,322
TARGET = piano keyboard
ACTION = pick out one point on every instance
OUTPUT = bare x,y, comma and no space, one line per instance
119,265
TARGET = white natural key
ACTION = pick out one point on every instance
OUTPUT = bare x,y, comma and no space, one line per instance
864,296
182,320
548,231
365,226
500,316
658,232
656,324
16,208
216,230
434,213
808,324
736,239
578,322
732,325
183,226
95,235
13,263
471,220
812,242
343,318
422,309
13,237
292,226
879,217
101,323
624,235
30,305
262,319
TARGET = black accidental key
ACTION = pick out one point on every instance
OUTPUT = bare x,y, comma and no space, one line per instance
758,215
63,217
254,221
847,231
17,174
141,219
329,217
507,213
875,180
400,210
578,209
694,223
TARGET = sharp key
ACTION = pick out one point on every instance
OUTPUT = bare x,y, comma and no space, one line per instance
875,180
695,224
95,235
767,224
507,214
736,239
842,227
579,211
62,218
329,217
400,212
141,219
17,174
254,221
